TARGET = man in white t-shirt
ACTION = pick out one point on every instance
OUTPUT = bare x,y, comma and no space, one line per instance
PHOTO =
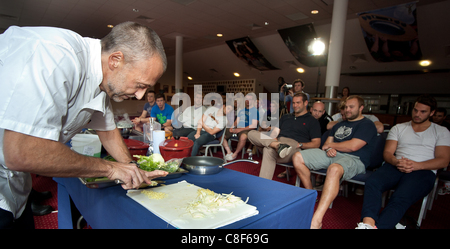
188,119
414,151
213,121
54,83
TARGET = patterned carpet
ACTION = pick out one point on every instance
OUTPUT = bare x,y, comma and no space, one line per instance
344,214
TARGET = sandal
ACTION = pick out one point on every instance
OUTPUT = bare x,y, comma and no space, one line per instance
282,175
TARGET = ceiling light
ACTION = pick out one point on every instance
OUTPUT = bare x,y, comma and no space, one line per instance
189,78
266,23
316,47
314,12
425,63
135,10
300,70
219,35
237,74
110,26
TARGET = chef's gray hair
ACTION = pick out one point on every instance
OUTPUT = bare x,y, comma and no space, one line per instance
137,42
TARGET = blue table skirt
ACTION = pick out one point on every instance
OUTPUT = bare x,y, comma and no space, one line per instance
280,205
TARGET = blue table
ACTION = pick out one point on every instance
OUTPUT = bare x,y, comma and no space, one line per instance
280,205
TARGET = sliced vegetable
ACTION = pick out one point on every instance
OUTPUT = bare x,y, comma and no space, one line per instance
208,203
156,162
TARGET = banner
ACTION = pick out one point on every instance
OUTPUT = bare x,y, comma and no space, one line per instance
297,40
391,33
245,50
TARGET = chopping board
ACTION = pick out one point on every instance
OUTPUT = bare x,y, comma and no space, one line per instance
172,208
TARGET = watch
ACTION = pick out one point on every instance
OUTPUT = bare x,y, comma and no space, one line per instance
300,145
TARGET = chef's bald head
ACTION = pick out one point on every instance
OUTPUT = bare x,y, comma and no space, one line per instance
135,41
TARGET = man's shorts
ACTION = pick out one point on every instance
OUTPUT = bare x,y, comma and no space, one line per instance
317,159
228,134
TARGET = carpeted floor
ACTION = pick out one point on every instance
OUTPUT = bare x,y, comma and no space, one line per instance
344,214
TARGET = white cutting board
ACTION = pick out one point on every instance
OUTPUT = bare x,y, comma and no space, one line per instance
172,208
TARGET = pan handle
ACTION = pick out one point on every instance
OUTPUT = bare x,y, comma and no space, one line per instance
240,160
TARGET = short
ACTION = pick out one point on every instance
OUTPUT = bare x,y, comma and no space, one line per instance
317,159
228,134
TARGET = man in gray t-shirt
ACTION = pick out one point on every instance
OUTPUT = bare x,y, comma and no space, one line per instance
413,152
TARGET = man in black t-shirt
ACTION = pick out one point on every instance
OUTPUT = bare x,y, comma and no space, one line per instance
297,131
345,153
319,113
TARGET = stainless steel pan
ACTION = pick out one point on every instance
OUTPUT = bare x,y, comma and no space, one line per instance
206,165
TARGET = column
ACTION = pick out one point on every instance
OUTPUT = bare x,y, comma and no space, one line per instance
179,64
336,45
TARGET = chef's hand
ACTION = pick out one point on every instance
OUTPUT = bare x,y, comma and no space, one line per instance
132,176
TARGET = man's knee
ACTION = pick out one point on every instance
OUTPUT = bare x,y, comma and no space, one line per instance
299,163
335,170
243,137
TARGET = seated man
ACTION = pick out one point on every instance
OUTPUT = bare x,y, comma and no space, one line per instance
213,120
246,120
190,116
439,117
346,153
338,117
413,152
319,113
271,115
296,131
163,113
139,121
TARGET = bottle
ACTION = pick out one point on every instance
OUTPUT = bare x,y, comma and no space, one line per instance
250,154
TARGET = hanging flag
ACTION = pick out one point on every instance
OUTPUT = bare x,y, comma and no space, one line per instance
391,33
298,40
245,50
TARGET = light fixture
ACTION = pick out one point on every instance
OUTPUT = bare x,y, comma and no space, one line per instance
314,12
237,74
189,78
266,23
219,35
110,26
135,10
316,47
300,70
425,63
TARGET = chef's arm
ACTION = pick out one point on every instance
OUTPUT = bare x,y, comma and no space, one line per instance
113,142
51,158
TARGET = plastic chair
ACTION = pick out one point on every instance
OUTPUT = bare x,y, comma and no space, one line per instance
216,143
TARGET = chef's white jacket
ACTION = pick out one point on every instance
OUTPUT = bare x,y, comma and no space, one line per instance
49,88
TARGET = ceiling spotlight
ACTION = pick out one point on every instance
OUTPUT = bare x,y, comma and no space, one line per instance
425,63
266,23
316,47
314,12
219,35
135,10
300,70
110,26
237,74
189,78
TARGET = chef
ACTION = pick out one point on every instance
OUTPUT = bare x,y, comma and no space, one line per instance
55,83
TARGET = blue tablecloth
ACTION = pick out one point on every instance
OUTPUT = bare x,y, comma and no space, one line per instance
280,205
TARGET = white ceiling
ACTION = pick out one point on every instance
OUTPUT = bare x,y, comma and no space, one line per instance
198,21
